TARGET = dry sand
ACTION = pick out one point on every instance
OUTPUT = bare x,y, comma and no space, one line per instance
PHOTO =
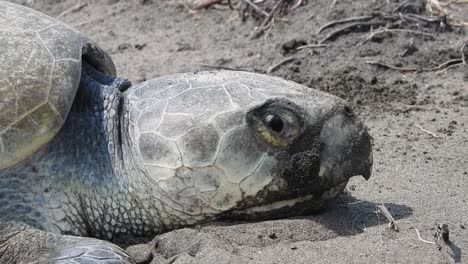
418,120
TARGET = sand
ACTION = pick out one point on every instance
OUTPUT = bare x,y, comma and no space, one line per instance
418,120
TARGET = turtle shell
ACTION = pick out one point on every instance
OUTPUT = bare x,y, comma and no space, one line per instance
40,69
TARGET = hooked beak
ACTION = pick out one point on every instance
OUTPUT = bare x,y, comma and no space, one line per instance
346,148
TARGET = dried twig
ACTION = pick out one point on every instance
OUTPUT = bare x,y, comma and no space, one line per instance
442,235
440,4
442,240
277,65
357,25
407,106
333,4
427,131
266,22
442,66
423,240
446,65
256,7
402,69
199,4
462,49
296,5
389,217
439,8
268,28
86,22
74,8
362,23
429,19
449,67
311,46
447,3
344,21
385,30
401,5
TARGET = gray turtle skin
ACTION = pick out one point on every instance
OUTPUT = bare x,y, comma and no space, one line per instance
175,151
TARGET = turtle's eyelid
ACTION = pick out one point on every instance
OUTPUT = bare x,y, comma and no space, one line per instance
279,105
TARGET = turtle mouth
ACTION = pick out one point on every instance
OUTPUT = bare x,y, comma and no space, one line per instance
278,205
303,205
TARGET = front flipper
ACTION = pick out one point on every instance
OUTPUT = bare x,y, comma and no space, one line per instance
86,250
22,244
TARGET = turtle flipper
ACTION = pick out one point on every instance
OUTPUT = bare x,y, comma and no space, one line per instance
20,243
85,250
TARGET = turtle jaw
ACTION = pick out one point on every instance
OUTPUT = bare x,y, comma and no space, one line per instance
287,207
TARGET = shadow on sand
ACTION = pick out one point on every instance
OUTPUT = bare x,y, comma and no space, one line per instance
349,216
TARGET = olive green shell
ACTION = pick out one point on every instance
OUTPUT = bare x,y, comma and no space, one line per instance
40,68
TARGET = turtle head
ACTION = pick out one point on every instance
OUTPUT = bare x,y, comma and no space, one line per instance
216,145
312,147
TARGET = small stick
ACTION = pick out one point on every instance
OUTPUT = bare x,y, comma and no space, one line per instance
400,6
385,30
438,4
230,4
265,22
74,8
298,3
312,46
427,131
85,22
445,65
274,67
389,217
333,4
342,30
442,234
344,21
256,7
449,67
417,107
429,19
406,18
268,28
2,148
199,4
442,66
378,63
425,241
445,245
463,53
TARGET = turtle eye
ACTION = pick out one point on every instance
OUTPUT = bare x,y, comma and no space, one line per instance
275,123
279,129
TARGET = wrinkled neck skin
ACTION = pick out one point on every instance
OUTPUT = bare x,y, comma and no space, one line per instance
86,181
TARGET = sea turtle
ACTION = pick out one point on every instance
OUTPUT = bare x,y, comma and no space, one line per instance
86,157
